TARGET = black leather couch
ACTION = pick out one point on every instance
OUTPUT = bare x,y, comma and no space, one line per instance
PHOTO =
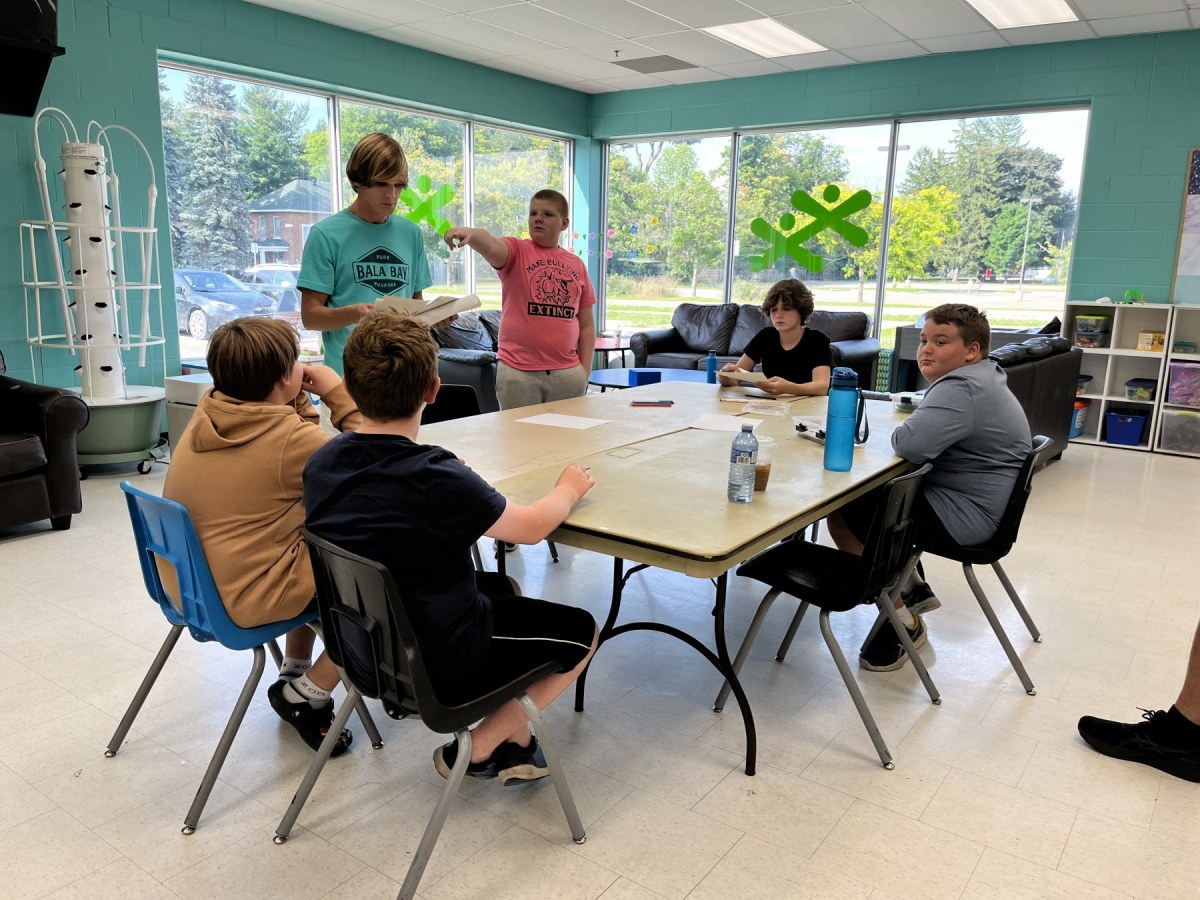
1043,374
727,328
39,470
467,354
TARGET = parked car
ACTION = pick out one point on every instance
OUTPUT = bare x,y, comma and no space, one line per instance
278,282
205,299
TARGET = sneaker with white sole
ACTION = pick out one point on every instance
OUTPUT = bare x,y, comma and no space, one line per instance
522,763
921,599
882,650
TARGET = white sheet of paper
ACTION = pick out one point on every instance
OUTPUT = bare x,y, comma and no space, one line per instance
557,420
716,422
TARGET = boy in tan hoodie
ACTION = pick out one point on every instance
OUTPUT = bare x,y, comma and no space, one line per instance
238,470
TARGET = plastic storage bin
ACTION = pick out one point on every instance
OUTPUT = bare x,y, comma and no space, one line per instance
1093,324
1183,384
1079,417
1180,431
1090,340
1141,388
1125,427
1082,386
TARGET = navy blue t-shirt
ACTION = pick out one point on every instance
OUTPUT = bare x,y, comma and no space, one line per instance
417,510
795,365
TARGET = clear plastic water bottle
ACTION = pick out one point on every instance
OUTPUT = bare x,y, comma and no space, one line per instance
840,419
712,367
742,458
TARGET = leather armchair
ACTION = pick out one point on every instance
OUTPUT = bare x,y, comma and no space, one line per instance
39,470
1043,374
697,328
467,355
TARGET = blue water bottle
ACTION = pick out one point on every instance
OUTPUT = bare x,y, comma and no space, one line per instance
840,420
712,367
743,456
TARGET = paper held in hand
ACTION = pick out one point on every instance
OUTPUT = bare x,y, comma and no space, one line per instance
742,375
430,311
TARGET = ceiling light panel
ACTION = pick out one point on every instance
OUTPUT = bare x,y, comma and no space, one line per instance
766,37
1022,13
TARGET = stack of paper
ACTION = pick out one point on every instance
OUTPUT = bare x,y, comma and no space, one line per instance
430,311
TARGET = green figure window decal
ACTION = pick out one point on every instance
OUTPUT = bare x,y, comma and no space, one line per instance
834,217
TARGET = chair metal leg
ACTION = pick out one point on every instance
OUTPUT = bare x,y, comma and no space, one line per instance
275,654
143,691
1018,666
476,558
223,745
790,634
353,699
553,551
364,716
764,607
860,702
578,835
1016,601
887,606
408,890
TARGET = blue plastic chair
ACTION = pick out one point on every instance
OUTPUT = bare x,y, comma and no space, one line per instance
163,528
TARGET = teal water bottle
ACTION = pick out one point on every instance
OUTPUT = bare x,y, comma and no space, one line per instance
840,420
712,367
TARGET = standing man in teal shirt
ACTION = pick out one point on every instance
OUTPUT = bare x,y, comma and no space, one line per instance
364,251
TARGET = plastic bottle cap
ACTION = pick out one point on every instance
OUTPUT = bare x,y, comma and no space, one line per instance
747,427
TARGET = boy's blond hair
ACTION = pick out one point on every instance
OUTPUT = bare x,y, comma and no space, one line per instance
972,324
390,363
554,197
248,356
793,294
377,157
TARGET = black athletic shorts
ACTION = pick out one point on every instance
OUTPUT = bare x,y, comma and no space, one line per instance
525,633
859,514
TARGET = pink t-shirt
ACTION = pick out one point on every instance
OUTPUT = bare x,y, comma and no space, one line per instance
544,291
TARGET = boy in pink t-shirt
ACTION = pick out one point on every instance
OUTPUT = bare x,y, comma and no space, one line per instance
547,331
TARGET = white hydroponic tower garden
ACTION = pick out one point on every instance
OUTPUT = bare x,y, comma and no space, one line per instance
92,291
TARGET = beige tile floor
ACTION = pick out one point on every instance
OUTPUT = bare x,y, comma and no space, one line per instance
993,794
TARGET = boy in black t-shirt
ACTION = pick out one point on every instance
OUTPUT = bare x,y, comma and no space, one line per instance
418,510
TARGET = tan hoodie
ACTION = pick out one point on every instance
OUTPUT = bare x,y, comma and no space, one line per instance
238,470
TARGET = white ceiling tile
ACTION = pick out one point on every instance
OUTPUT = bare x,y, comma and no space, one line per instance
929,18
701,13
845,26
1168,21
466,6
399,12
572,65
698,48
423,40
690,76
323,12
980,40
472,31
749,69
1110,9
635,82
589,87
621,17
525,18
900,50
805,61
786,7
519,65
1045,34
605,51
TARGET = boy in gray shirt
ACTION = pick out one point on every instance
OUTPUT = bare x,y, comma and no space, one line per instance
973,430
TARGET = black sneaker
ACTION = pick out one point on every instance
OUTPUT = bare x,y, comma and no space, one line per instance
1143,742
882,650
505,545
445,755
311,722
921,599
522,763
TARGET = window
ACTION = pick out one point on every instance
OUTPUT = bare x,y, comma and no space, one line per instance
667,214
239,152
511,166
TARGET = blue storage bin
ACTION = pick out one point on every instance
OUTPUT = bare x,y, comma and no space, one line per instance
1125,427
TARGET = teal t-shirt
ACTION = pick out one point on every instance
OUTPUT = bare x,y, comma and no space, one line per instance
354,261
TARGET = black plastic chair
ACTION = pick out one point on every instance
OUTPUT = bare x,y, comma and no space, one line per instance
836,581
458,401
994,550
371,640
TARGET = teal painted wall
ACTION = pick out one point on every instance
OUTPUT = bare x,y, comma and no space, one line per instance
109,74
1144,94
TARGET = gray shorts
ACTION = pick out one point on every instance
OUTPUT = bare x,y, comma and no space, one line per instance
516,387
